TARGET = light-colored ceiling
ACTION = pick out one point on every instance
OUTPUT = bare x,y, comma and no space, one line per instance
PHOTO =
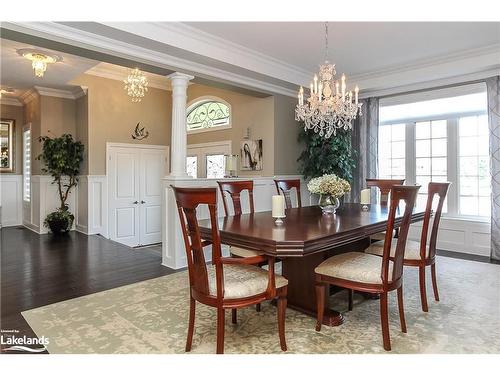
16,71
356,47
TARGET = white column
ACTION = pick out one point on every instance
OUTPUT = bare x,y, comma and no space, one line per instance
179,132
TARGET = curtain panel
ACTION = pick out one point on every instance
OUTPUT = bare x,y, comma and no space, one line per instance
493,89
365,142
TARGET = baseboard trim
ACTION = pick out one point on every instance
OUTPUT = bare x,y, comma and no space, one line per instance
466,256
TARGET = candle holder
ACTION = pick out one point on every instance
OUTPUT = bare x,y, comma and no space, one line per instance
279,220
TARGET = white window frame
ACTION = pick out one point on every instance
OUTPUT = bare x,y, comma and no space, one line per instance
27,176
201,150
453,153
203,99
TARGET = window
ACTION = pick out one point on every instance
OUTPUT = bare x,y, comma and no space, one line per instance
216,166
208,114
207,160
192,166
439,136
27,164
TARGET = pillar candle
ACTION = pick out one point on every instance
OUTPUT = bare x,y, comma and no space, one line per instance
278,206
365,196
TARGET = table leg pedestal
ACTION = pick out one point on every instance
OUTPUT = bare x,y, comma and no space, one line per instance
301,282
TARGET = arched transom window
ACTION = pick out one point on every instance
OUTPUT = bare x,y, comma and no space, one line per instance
208,114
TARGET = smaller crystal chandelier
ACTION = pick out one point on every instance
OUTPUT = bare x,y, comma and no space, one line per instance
329,106
39,60
136,85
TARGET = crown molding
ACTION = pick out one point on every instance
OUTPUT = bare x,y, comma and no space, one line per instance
180,35
420,73
10,101
117,75
76,93
69,35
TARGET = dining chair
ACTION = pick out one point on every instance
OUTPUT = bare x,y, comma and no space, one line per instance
233,189
422,254
228,283
384,185
285,187
370,273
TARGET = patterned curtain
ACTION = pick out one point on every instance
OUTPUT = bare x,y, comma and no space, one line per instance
493,88
365,142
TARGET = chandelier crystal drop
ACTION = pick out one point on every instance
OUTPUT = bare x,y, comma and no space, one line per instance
136,85
330,106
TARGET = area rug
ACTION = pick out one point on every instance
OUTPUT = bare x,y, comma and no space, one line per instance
151,317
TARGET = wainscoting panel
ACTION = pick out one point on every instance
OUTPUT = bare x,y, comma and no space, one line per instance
459,235
44,200
92,205
11,199
173,252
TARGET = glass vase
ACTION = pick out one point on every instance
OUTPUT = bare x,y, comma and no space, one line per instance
328,204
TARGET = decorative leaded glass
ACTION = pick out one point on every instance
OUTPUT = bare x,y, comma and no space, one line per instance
208,114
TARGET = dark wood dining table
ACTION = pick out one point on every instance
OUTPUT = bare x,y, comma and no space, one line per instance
306,238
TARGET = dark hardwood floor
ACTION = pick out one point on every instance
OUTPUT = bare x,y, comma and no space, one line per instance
38,270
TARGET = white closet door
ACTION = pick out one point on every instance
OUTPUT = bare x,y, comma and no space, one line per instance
151,172
124,195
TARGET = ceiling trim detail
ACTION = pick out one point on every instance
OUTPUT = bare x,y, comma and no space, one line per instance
110,73
69,35
180,35
452,67
10,101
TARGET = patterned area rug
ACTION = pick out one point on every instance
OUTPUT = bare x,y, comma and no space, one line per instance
151,317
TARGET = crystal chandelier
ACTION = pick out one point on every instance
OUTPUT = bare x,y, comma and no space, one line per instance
329,106
136,85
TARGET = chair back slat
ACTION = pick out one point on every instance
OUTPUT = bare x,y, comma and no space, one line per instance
441,189
285,187
384,185
234,190
188,200
408,195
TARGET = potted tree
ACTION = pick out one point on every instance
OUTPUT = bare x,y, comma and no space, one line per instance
62,157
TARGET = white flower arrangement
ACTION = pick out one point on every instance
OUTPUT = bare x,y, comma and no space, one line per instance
329,184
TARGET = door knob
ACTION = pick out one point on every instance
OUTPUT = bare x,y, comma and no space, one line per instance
142,202
135,202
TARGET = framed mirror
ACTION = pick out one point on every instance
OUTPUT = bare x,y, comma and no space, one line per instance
7,145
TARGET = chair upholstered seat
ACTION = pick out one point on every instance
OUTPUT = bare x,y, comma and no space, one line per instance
244,253
242,280
358,267
412,249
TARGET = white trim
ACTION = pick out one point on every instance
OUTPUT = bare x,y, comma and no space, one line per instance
57,93
105,71
194,40
448,92
211,144
10,101
133,145
69,35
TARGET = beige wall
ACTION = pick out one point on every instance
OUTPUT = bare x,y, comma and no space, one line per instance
286,147
247,112
16,113
82,129
58,116
112,117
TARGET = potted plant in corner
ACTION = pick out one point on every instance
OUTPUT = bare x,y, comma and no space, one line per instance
62,157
